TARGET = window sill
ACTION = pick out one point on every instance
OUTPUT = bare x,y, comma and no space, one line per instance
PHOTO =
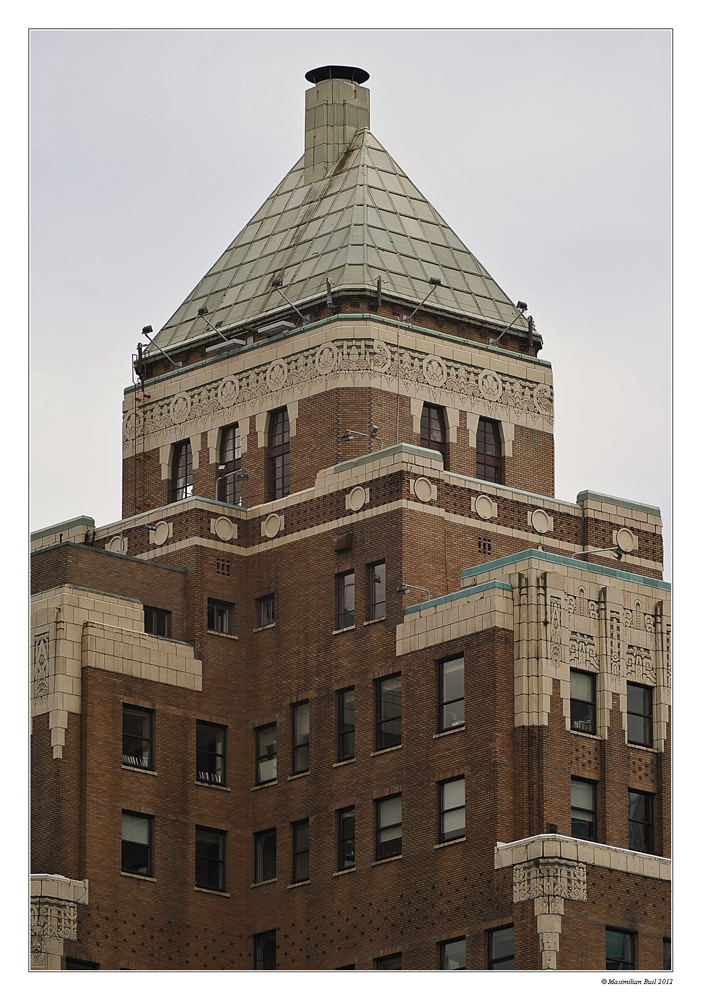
212,784
302,774
371,621
447,732
264,784
641,746
264,628
141,878
342,763
344,871
212,892
224,635
378,753
139,770
385,861
348,628
269,881
293,885
589,736
448,843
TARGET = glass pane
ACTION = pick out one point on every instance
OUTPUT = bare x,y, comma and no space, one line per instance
637,699
453,678
454,824
582,795
135,828
453,794
390,811
453,955
502,942
581,685
301,723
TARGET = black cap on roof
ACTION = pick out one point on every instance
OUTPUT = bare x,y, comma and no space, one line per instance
352,73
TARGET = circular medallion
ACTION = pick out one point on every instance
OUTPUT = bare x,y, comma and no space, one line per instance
115,544
423,489
161,533
180,408
228,391
276,375
625,540
382,357
271,525
325,358
356,498
484,507
543,399
540,521
435,371
224,529
133,422
490,385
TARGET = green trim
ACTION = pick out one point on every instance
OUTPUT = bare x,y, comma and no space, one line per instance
465,592
616,501
550,557
105,552
393,449
512,489
53,528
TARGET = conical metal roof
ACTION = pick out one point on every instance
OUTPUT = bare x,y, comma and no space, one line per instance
364,220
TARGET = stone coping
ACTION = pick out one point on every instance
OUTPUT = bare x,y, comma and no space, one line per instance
53,529
105,552
394,449
458,595
554,845
59,887
616,502
551,557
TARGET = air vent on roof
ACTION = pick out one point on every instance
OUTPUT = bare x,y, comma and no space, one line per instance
279,326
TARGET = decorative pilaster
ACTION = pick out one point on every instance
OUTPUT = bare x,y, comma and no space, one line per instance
54,917
549,883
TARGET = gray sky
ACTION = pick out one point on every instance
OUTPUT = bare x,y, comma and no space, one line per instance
548,153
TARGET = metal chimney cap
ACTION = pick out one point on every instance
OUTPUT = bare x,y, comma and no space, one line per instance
352,73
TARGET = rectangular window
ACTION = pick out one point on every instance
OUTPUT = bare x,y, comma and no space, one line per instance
452,954
157,622
279,455
345,594
388,826
266,754
137,843
582,701
300,737
346,838
220,616
583,808
500,948
228,485
377,591
433,430
265,610
300,851
640,715
182,470
137,737
488,464
389,961
640,822
346,724
388,712
265,855
451,693
264,950
452,809
209,858
211,753
620,949
667,954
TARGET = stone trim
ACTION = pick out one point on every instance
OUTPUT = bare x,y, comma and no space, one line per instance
54,917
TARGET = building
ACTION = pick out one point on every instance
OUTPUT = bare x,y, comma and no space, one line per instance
347,686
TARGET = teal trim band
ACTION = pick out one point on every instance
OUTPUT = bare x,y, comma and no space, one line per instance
394,449
550,557
63,526
465,592
617,502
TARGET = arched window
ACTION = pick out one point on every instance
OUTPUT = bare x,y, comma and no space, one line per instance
489,465
182,470
229,485
433,430
279,454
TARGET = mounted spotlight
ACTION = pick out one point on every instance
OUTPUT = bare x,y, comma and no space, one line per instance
520,306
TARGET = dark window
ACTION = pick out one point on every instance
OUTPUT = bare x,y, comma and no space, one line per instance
451,693
452,809
136,843
346,724
388,825
157,622
345,586
667,954
620,949
211,753
220,616
300,737
137,737
640,822
582,701
388,712
389,961
300,851
182,470
80,964
265,610
266,754
583,808
209,858
279,454
500,948
433,430
452,954
264,948
377,591
488,451
344,968
346,838
265,855
640,715
229,484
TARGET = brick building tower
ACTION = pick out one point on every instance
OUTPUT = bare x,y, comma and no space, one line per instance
347,687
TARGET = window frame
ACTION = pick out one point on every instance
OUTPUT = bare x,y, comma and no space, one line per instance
182,470
146,713
642,826
496,962
230,458
646,715
666,954
300,852
219,611
444,702
279,454
593,811
442,954
385,739
482,457
265,619
219,862
443,811
344,838
377,608
261,757
618,961
345,608
580,701
431,415
216,777
151,617
265,856
345,730
133,870
298,744
259,943
382,826
382,964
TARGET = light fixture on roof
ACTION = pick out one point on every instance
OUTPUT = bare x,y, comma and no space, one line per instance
149,329
329,298
279,326
277,284
434,283
234,342
522,307
402,588
615,550
373,435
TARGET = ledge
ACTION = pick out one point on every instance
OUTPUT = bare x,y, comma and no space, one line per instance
378,753
141,878
338,631
293,885
342,763
139,770
371,621
300,774
224,635
212,784
264,784
447,732
386,861
264,628
448,843
344,871
212,892
553,846
269,881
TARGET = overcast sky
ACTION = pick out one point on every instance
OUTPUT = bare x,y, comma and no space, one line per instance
547,152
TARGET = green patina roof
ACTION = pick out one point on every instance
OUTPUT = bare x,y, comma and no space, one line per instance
363,220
